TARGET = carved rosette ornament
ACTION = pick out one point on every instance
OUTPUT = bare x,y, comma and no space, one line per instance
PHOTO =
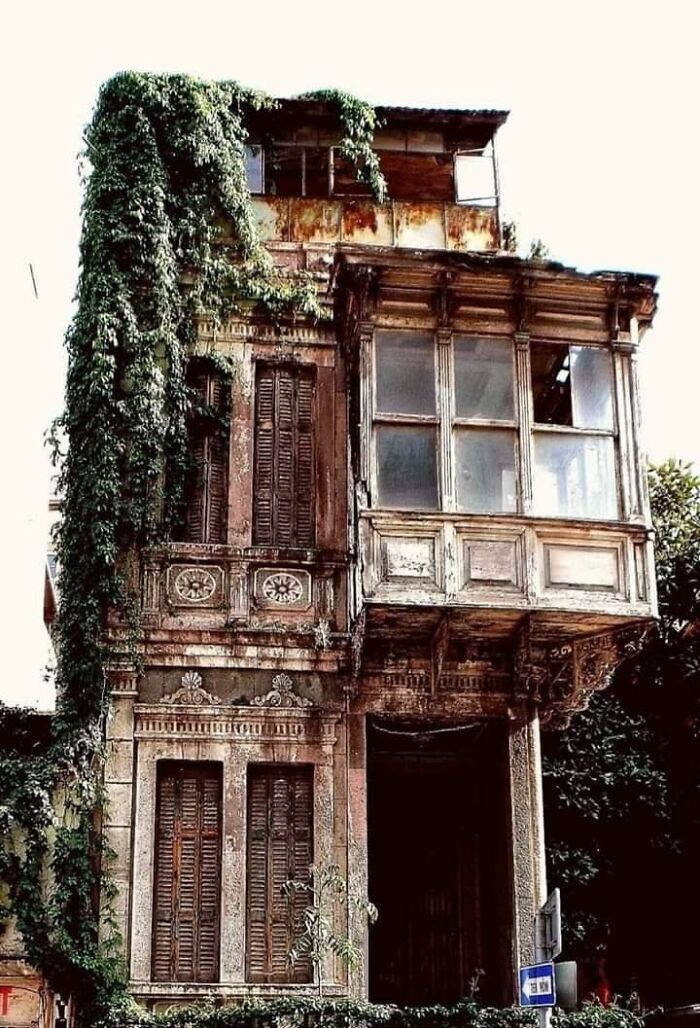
283,588
195,584
192,693
281,695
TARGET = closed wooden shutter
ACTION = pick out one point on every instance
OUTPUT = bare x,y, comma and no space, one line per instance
187,890
280,847
206,488
283,509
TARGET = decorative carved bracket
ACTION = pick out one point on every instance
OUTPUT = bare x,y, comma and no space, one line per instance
191,692
357,646
438,651
562,679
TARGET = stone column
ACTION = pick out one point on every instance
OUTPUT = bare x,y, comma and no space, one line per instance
118,784
356,752
527,835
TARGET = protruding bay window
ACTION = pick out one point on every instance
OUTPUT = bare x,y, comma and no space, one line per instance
447,436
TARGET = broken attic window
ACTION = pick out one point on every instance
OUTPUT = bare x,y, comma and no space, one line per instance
475,178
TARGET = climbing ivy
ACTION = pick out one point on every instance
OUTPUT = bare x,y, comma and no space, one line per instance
168,235
359,120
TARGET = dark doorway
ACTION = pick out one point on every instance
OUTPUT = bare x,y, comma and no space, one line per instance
438,862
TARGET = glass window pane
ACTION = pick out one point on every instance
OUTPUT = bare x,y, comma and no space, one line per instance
254,168
485,470
484,378
575,476
405,373
591,375
407,466
551,384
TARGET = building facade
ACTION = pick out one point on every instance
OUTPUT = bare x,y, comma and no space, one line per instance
424,536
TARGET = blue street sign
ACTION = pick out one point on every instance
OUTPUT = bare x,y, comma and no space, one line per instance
537,987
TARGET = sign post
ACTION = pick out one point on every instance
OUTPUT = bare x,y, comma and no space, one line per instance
537,988
537,984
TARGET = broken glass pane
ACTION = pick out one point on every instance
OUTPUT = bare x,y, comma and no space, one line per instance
407,466
405,373
572,385
574,476
551,384
484,378
485,470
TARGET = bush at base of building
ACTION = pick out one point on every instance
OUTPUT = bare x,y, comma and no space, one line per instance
311,1012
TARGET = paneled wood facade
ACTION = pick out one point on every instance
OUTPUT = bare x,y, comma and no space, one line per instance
428,516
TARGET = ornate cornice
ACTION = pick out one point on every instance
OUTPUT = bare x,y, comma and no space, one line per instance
234,724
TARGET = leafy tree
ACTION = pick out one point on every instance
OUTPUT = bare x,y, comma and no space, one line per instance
621,784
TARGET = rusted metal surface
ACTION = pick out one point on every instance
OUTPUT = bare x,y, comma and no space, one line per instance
423,226
471,228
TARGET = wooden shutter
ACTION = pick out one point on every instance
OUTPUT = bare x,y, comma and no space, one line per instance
283,509
280,847
187,887
206,489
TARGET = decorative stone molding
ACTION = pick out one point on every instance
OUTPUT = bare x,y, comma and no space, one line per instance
233,331
122,683
282,695
192,693
195,585
235,724
282,589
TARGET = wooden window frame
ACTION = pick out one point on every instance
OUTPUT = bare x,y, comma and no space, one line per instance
267,528
447,422
169,859
543,429
264,962
202,523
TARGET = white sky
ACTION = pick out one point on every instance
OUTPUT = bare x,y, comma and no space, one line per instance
599,158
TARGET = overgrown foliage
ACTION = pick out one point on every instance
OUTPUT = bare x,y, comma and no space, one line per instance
359,120
622,784
325,890
168,235
311,1012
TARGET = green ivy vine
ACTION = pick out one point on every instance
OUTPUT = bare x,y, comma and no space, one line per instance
359,121
168,234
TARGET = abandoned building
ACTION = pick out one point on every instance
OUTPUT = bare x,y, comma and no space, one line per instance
425,537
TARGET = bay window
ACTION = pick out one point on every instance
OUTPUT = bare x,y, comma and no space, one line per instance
447,433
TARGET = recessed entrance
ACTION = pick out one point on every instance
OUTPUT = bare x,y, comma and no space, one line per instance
438,861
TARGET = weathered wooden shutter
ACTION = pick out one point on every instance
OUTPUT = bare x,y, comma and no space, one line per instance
280,847
283,510
187,887
206,491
